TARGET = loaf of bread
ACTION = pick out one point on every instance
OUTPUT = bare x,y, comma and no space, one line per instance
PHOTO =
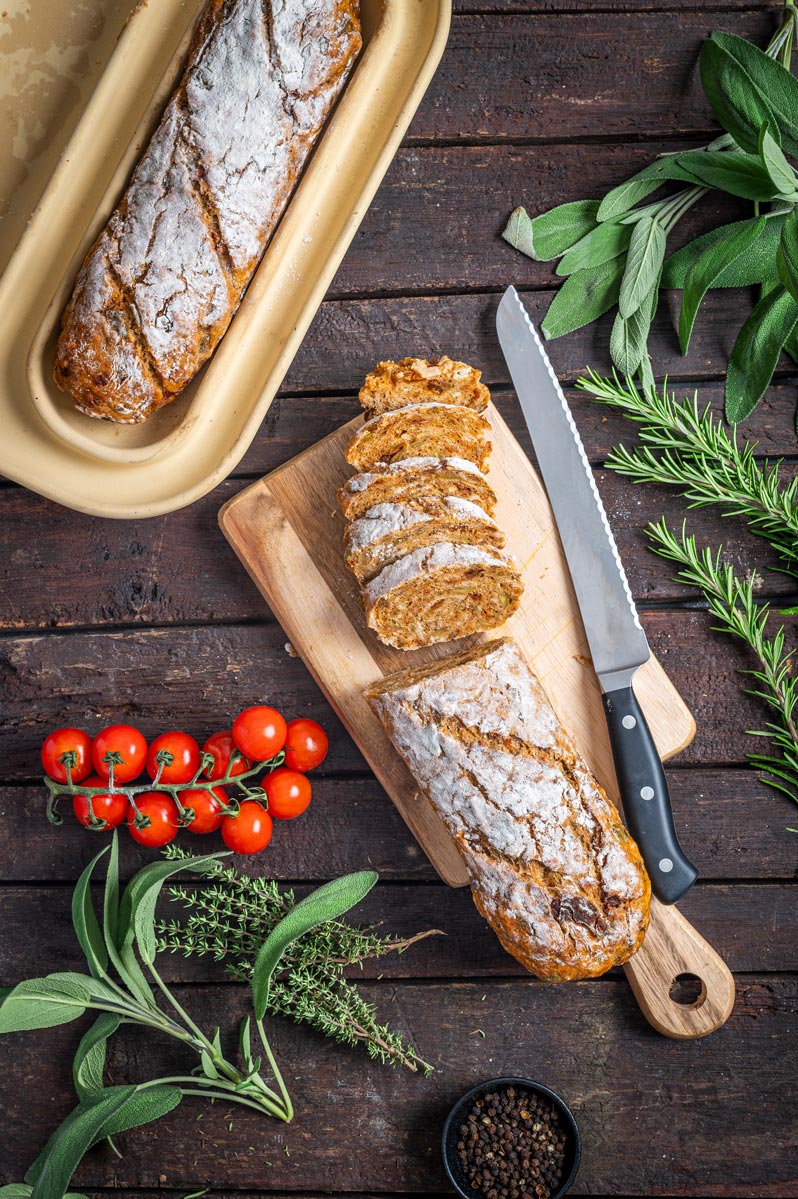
429,430
420,381
552,868
389,531
440,593
410,478
162,281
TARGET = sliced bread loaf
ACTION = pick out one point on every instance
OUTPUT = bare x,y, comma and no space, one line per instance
411,478
440,593
418,381
434,430
388,531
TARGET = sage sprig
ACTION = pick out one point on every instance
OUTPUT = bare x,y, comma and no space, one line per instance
613,252
118,952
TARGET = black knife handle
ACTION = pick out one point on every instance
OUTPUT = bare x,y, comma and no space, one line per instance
644,792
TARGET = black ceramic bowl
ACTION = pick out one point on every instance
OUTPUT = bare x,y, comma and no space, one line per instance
451,1162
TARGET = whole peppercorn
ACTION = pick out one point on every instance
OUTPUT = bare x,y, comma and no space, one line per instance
512,1145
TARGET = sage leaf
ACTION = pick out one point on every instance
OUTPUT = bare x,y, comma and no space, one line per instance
119,1108
603,243
245,1042
707,268
622,199
89,1062
629,337
141,897
757,266
730,171
776,165
552,233
735,99
643,265
328,902
584,297
45,1002
775,85
756,352
787,254
86,925
129,971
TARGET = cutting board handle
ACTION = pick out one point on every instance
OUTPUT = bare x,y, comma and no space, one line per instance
673,948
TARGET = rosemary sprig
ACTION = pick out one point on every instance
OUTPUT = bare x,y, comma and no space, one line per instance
228,918
687,447
732,602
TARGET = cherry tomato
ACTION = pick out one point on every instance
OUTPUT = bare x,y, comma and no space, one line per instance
64,741
220,746
306,744
248,832
109,808
161,811
185,757
259,733
128,743
206,804
288,793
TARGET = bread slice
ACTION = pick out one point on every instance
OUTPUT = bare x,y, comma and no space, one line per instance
418,381
415,478
553,870
440,593
438,430
388,531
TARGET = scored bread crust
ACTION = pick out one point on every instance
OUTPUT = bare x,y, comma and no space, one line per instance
410,478
552,868
434,429
440,593
161,283
420,380
388,531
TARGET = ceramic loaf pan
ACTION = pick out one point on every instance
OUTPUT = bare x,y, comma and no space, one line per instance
193,443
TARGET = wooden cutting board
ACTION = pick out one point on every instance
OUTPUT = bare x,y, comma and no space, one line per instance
287,529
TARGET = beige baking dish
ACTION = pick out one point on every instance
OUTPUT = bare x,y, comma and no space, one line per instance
188,447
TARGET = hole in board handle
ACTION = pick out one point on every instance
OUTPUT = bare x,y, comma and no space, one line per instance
688,990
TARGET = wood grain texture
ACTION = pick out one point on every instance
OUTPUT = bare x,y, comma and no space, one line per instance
657,1117
275,528
576,74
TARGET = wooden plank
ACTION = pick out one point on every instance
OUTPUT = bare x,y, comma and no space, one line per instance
198,678
339,347
454,201
276,529
568,75
607,6
177,569
657,1118
731,825
754,927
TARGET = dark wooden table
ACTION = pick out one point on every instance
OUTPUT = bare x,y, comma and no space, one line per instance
536,101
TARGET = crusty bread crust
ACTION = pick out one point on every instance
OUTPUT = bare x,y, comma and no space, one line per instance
440,593
413,478
419,381
435,429
388,531
160,285
553,870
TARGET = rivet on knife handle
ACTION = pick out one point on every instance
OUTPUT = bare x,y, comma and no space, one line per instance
645,798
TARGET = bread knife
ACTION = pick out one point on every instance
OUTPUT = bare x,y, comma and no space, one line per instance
618,644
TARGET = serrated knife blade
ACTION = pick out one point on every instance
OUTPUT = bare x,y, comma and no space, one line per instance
618,644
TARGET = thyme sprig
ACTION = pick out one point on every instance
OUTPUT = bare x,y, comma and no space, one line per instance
687,447
732,602
228,918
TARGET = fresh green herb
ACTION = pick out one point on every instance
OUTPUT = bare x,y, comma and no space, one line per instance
117,987
614,252
732,602
686,447
227,919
